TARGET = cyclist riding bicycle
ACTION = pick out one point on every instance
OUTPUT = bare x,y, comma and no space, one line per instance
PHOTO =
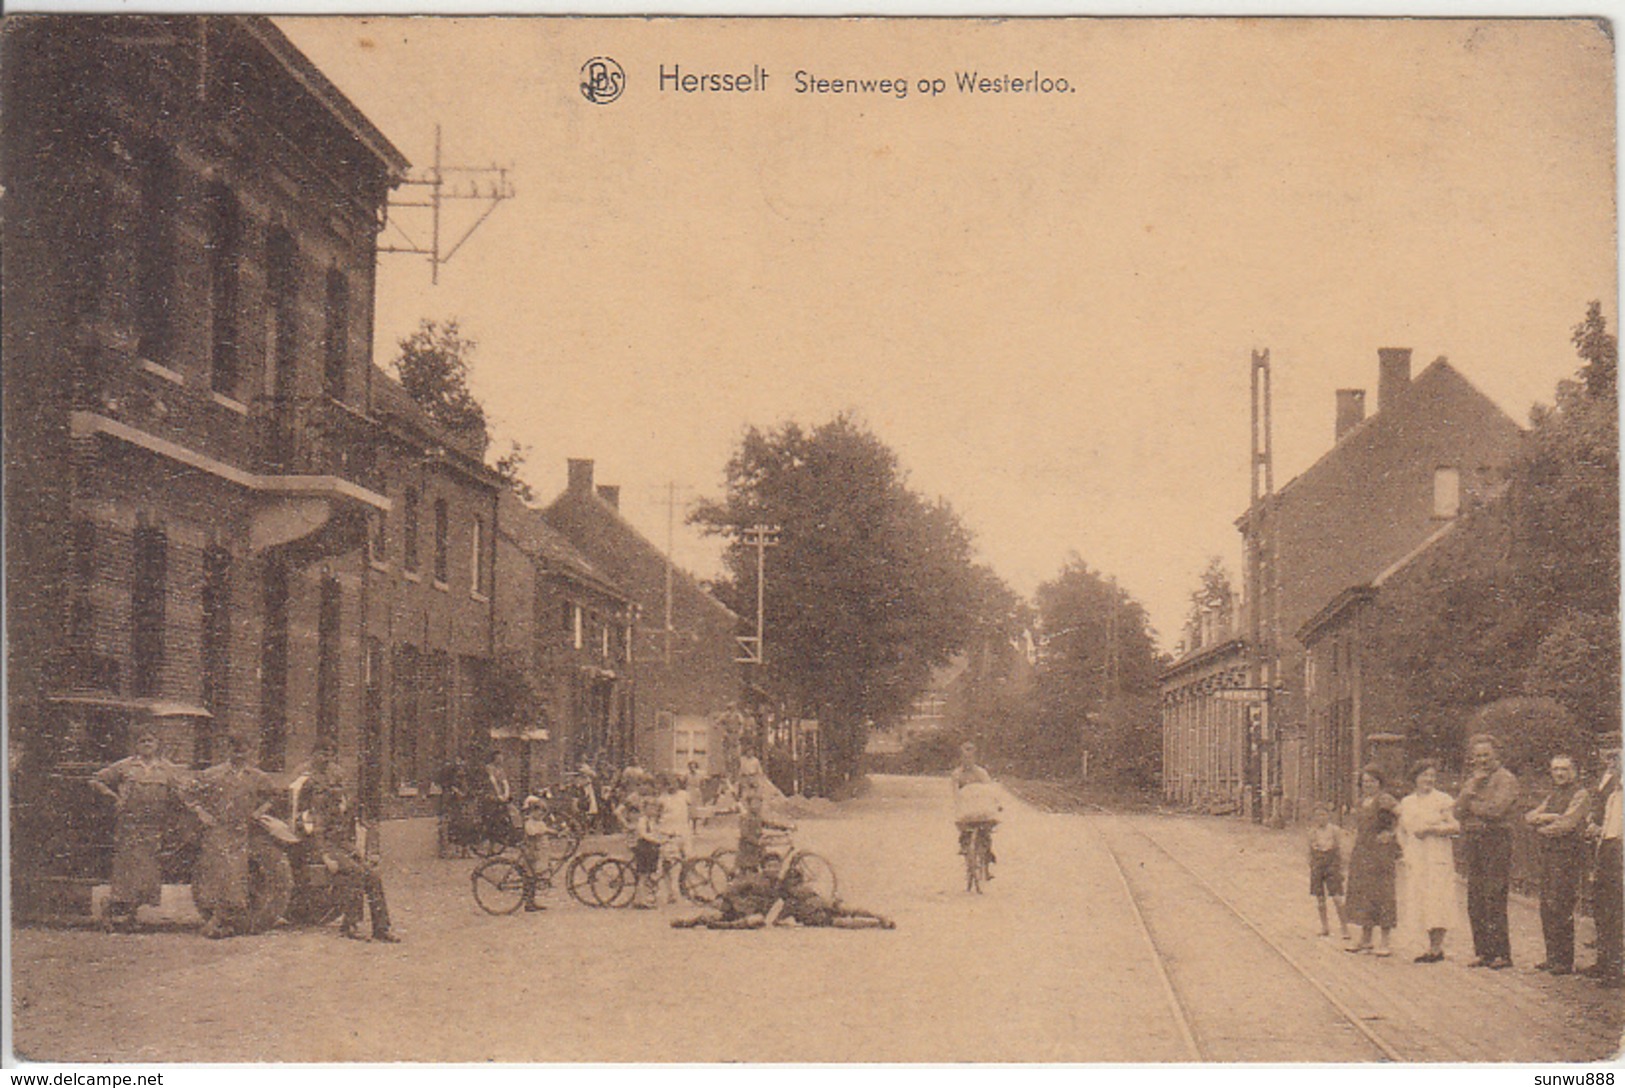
976,802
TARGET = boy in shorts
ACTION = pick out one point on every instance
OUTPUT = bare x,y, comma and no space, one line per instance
1326,868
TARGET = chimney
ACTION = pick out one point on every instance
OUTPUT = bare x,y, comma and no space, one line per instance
580,475
1350,410
1393,375
610,493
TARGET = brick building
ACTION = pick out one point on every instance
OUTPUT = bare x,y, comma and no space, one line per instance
570,631
687,678
430,621
222,517
1435,447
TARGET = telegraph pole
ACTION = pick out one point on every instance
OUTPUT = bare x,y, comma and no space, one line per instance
1264,759
760,536
479,184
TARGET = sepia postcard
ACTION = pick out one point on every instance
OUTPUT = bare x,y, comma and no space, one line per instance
590,539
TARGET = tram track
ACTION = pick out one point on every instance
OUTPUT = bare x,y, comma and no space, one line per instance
1181,992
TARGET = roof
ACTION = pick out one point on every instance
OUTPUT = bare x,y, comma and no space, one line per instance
1376,428
543,544
391,401
1205,655
263,30
590,503
1367,590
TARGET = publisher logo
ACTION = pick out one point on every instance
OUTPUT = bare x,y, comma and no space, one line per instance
602,81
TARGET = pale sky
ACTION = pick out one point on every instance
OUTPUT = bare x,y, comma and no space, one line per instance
1045,304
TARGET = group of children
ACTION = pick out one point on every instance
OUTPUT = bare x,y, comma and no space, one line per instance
657,816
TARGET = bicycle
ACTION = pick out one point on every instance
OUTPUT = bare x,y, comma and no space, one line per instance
501,885
815,871
978,853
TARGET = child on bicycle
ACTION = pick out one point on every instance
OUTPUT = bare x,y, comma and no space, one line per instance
751,826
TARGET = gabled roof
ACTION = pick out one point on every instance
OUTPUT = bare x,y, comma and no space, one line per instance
1422,391
543,544
605,515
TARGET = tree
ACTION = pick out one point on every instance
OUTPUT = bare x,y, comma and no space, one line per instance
1096,685
1214,596
1522,599
433,366
871,585
509,466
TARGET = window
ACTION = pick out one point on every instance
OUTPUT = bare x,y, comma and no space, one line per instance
147,610
274,668
437,729
155,260
378,539
476,559
216,645
282,256
442,531
327,660
1446,492
569,614
337,340
404,731
225,243
410,515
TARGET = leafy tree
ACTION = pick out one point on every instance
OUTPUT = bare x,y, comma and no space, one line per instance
1096,684
509,466
1523,598
871,585
433,366
1216,594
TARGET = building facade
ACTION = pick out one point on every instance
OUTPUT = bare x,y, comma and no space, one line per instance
686,672
1435,448
570,632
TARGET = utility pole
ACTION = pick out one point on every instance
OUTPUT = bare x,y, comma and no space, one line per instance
1263,765
480,184
671,490
760,536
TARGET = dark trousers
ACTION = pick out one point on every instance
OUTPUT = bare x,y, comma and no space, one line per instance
354,882
1562,864
1606,907
1489,878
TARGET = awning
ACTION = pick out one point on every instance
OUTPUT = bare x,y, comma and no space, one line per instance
157,708
520,734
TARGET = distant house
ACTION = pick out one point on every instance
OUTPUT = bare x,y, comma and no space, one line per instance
571,630
1435,448
687,676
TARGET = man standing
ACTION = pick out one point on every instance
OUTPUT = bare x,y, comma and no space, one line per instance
230,797
333,826
1559,822
1485,811
1608,902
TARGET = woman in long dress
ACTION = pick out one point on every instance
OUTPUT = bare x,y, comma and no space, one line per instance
1371,902
1427,823
144,787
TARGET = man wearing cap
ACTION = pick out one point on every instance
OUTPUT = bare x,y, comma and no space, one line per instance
1485,810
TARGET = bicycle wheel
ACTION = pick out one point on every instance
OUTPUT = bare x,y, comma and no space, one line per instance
556,849
499,886
613,882
702,880
973,864
816,874
728,858
578,878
